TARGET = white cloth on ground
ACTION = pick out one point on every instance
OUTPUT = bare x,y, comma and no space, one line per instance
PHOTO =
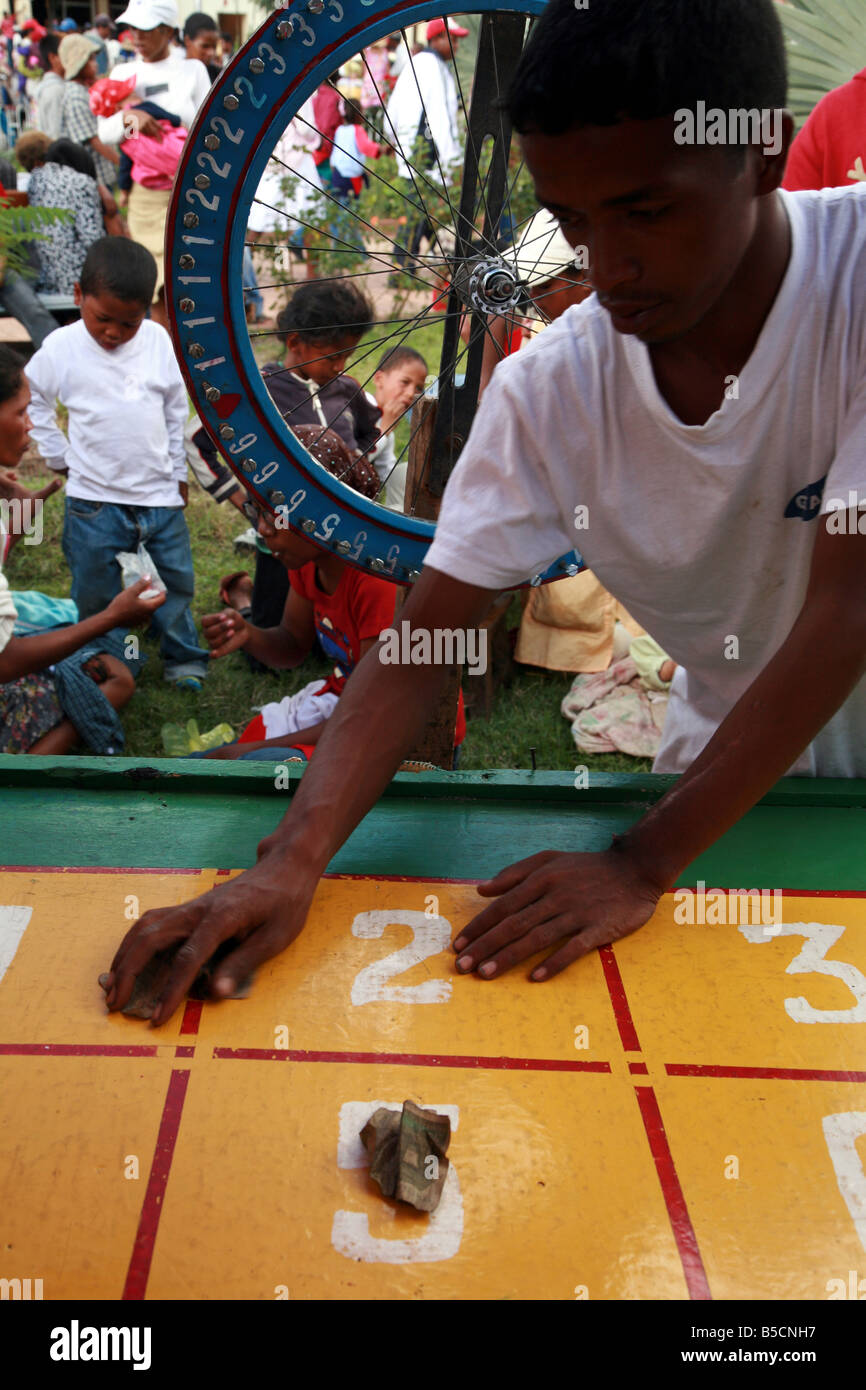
299,711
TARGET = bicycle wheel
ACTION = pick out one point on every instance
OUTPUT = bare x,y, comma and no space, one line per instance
468,221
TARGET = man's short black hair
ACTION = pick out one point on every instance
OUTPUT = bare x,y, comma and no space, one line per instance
49,44
392,359
119,267
641,59
199,23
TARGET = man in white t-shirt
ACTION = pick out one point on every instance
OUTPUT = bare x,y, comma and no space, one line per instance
702,417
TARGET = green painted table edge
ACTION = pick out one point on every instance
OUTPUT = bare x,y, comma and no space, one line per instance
148,813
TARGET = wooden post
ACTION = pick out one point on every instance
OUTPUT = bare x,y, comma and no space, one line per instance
436,743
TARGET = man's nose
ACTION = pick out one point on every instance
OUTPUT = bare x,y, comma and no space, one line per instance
610,263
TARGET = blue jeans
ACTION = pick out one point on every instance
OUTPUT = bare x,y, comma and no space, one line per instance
94,533
251,285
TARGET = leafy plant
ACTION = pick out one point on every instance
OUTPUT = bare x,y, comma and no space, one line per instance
19,228
826,42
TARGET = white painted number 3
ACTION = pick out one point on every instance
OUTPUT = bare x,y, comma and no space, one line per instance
430,936
820,938
350,1233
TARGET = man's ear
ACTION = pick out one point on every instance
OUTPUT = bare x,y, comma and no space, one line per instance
78,296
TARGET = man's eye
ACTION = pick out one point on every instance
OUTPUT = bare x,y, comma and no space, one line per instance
647,214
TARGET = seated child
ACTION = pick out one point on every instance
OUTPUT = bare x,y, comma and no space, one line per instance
319,327
329,599
33,711
117,376
398,383
143,159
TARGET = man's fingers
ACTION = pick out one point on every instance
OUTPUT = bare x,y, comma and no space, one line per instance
542,935
259,947
195,952
501,934
590,939
527,891
154,932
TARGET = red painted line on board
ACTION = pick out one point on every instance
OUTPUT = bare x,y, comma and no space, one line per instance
75,1050
409,1059
191,1016
184,1052
405,878
151,1210
621,1011
765,1073
638,1068
678,1212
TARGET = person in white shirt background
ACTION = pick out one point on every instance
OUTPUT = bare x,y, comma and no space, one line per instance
423,106
178,84
117,376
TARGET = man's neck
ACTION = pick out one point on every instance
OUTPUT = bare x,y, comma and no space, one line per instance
727,334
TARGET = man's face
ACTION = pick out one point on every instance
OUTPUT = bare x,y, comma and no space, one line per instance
110,321
14,426
103,31
285,545
89,72
151,44
665,225
203,46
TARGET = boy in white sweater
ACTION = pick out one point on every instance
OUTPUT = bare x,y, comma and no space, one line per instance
117,376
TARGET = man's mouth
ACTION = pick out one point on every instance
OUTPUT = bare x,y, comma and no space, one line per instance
629,316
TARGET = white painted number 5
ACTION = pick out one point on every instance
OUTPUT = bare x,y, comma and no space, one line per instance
350,1233
431,935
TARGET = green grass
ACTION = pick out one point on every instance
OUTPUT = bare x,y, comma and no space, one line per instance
525,715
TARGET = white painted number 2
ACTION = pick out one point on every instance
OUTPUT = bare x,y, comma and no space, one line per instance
841,1133
13,924
430,936
820,938
350,1233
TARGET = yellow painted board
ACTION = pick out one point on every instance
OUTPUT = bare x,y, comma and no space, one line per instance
348,983
73,924
731,994
775,1173
552,1189
68,1127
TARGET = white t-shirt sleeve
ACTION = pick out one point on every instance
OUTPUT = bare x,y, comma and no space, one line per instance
500,522
42,372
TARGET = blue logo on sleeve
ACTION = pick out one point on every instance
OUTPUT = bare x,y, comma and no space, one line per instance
805,504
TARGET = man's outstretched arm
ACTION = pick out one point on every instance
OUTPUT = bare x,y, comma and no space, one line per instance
377,720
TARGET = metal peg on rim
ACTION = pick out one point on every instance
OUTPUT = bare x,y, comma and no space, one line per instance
226,432
376,564
201,181
195,349
187,262
256,65
308,525
190,219
230,102
277,498
283,29
212,393
186,306
211,142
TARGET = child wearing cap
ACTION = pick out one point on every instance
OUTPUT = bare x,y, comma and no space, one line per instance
144,159
77,121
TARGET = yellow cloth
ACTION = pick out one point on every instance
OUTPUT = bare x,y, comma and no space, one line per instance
568,625
148,208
